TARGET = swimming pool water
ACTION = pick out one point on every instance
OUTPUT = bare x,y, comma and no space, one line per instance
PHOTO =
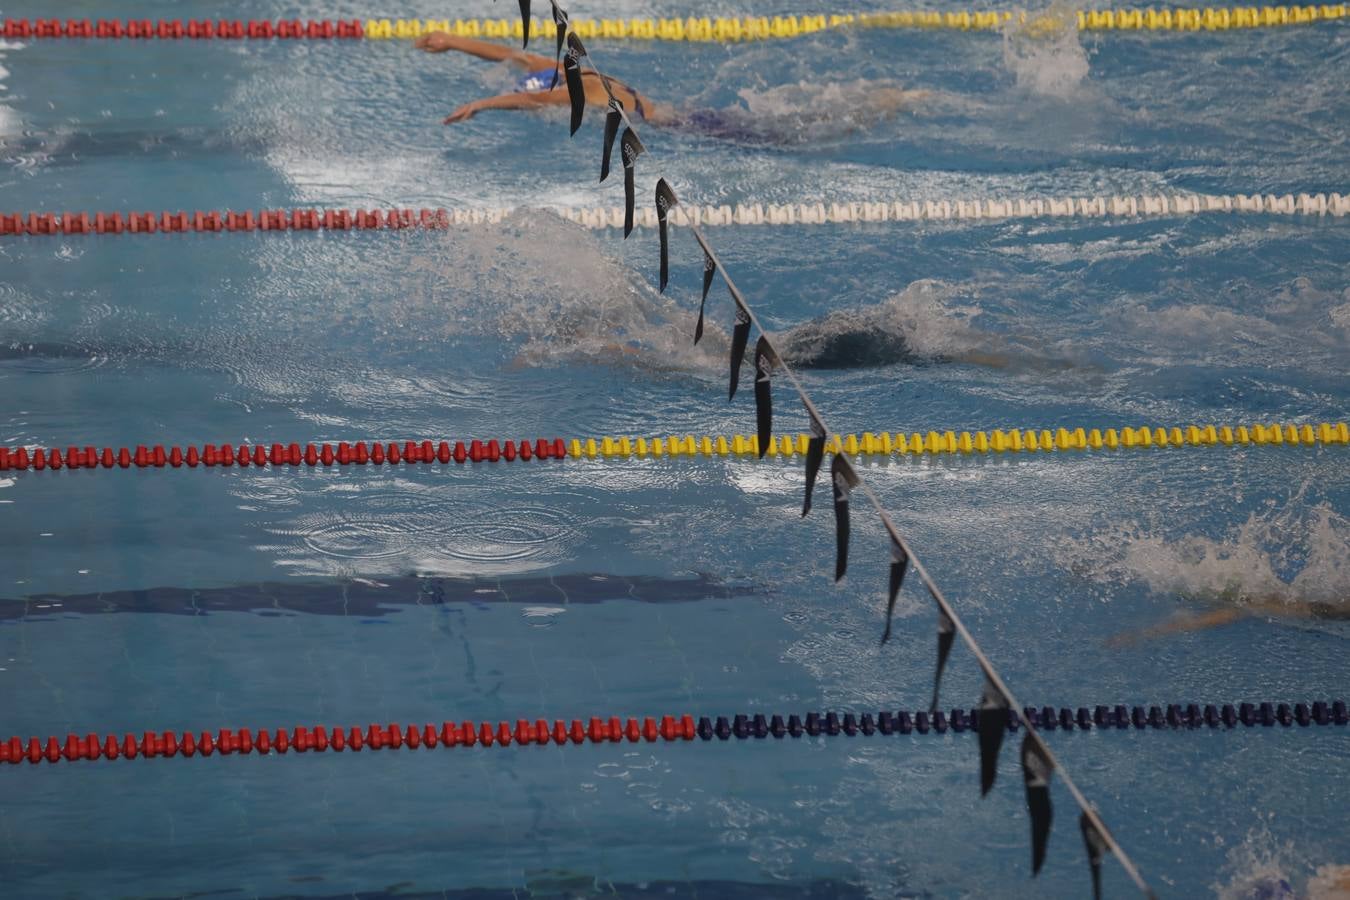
645,587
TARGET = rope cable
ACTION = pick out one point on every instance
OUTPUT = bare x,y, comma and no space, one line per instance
1089,812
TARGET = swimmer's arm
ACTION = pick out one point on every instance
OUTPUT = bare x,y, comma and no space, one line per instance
441,41
508,101
1181,624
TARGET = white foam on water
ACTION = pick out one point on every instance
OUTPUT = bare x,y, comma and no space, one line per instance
810,112
1260,868
1279,329
1044,53
1288,552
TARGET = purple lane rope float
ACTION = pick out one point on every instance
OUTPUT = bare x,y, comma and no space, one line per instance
596,730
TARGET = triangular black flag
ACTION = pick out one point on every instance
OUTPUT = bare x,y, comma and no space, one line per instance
613,118
665,200
709,270
993,724
559,20
946,635
765,360
843,478
740,336
631,148
525,22
899,562
815,455
576,92
1096,849
1036,771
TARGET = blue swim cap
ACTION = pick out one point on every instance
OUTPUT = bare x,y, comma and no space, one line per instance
539,80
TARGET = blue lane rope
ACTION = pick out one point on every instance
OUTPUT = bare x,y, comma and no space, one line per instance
1174,716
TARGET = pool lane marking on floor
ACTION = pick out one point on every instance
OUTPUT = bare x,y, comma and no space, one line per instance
600,217
785,446
703,29
302,739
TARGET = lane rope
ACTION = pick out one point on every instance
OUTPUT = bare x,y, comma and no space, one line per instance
723,29
600,217
302,739
785,446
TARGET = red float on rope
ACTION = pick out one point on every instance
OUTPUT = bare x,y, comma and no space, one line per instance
318,739
262,456
46,223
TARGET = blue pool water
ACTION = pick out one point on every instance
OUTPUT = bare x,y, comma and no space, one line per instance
356,595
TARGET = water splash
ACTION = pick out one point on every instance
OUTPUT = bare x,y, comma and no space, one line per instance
1281,328
1265,868
807,113
919,323
1260,868
1287,553
1044,53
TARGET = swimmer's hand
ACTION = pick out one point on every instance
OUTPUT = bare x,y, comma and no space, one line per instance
435,42
466,111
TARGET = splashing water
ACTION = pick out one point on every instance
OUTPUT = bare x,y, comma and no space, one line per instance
1259,868
1290,553
567,302
1044,54
917,324
807,113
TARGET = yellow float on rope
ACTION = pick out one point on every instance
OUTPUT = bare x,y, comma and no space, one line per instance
725,29
969,443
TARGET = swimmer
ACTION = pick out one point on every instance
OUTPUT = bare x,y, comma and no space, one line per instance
867,337
536,86
1273,606
543,85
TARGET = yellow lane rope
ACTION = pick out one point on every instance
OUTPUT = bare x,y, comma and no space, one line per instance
758,28
969,442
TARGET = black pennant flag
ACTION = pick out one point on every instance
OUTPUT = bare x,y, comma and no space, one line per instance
1036,771
631,148
946,634
993,724
1096,849
709,270
612,120
525,22
899,562
740,336
765,360
559,20
576,92
815,455
844,479
665,199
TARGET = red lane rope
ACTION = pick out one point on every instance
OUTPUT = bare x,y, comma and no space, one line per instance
377,737
131,222
177,28
343,453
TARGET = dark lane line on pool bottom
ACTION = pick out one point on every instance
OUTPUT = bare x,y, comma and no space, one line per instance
373,597
568,884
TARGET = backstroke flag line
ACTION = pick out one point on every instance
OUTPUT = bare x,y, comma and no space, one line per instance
709,270
998,704
612,119
993,724
665,201
576,92
815,455
899,561
1036,770
765,360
